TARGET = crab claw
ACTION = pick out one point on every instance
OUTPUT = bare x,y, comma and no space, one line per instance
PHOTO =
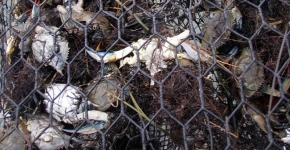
35,9
286,139
192,54
237,17
110,56
89,129
231,54
107,57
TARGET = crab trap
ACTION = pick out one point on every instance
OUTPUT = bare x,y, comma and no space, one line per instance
150,74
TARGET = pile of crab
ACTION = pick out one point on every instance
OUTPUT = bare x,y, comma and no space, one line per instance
84,109
66,103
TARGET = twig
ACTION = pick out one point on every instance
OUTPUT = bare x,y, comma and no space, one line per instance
276,23
215,125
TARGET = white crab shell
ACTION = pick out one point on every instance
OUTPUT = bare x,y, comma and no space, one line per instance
43,47
68,105
65,101
50,138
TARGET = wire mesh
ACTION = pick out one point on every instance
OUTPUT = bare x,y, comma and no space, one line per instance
224,85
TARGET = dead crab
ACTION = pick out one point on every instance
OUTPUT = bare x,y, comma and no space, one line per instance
66,104
14,140
252,73
43,47
150,52
24,22
216,29
80,15
102,92
50,136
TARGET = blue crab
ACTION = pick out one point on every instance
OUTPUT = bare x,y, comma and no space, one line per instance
12,140
50,136
101,92
66,104
253,74
24,22
149,52
43,47
216,29
80,15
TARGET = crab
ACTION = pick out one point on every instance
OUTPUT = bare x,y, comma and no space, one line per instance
24,22
216,31
12,140
50,136
279,119
252,73
78,14
151,53
101,92
43,47
66,104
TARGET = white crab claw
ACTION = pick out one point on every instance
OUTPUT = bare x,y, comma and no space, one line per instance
175,40
286,139
192,53
107,57
110,56
94,115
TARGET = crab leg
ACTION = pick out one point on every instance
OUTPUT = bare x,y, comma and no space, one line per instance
89,129
285,86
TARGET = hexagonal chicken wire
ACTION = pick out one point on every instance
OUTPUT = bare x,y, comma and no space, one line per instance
200,74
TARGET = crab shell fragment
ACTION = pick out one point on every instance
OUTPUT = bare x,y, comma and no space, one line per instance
43,47
253,74
66,104
50,138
